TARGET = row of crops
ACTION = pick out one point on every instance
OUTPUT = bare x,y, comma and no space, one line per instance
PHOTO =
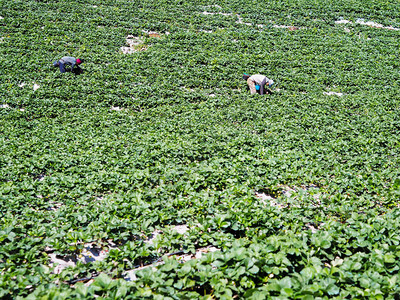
286,196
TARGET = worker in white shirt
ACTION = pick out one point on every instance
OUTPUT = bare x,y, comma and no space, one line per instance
258,80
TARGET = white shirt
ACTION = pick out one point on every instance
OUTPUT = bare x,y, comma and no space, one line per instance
260,80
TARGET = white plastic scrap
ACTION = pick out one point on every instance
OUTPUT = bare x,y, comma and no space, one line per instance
116,108
369,23
376,25
218,13
153,236
4,106
342,22
264,198
131,276
61,263
35,86
215,5
181,229
133,42
89,254
333,94
240,20
281,26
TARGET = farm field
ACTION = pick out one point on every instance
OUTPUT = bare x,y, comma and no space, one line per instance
155,173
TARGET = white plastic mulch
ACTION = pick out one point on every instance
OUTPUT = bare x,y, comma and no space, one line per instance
60,264
333,94
368,23
287,192
267,199
240,21
91,253
117,108
291,27
35,86
131,274
134,42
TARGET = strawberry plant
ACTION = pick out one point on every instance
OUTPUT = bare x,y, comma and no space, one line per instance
156,174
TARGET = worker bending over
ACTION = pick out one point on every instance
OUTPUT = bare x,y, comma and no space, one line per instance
69,61
258,80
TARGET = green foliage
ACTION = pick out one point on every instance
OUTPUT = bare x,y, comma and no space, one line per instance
192,147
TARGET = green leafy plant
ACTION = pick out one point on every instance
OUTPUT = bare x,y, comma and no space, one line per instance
292,195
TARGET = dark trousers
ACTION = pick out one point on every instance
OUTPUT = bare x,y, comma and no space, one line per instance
77,70
60,65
